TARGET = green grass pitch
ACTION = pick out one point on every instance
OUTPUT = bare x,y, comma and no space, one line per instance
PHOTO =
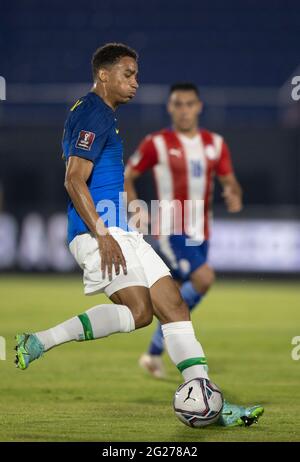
95,391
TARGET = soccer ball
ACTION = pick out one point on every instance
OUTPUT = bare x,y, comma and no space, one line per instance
198,402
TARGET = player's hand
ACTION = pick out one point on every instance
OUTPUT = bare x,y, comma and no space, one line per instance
233,199
111,254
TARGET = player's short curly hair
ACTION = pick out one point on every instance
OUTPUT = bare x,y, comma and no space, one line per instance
110,54
184,86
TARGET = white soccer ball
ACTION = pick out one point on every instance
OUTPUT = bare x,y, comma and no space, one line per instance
198,402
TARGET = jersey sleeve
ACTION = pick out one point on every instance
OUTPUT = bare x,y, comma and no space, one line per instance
224,164
145,157
89,133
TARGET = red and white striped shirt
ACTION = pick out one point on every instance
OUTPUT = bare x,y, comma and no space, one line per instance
184,168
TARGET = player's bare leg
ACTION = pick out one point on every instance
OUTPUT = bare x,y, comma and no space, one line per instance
174,309
203,278
138,300
167,302
192,292
184,349
132,309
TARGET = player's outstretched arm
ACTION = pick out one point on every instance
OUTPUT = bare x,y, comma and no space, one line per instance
77,173
232,193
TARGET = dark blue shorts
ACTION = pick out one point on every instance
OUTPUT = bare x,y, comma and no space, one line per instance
182,259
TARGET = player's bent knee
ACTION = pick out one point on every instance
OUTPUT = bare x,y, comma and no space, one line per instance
142,314
203,279
210,278
147,318
144,319
138,300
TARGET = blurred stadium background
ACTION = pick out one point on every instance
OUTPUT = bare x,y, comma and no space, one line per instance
243,56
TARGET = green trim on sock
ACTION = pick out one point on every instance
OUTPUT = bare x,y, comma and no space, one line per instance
191,362
87,326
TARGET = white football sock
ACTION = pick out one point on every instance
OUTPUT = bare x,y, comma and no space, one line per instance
97,322
184,349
